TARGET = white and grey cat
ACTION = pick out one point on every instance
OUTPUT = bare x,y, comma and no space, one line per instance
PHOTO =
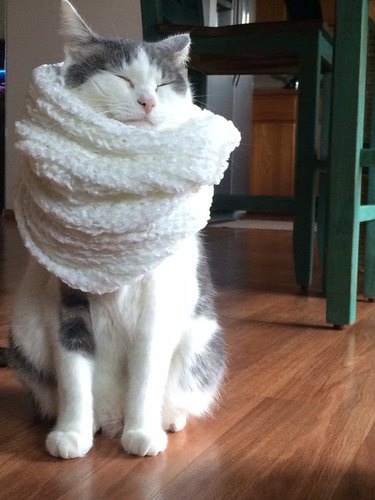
140,360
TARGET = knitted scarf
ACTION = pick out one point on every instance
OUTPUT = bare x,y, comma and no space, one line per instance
100,203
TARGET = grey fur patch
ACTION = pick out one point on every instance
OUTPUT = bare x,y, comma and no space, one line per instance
25,369
75,332
209,367
160,55
205,305
73,299
101,55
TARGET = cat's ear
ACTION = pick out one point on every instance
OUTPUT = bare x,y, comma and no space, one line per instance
73,28
179,47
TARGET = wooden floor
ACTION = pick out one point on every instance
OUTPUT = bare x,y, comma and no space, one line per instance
296,419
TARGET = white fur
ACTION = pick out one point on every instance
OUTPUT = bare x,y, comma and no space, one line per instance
144,332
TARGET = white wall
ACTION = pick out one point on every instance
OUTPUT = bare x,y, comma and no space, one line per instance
32,39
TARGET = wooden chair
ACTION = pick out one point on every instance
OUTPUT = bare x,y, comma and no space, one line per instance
300,48
348,160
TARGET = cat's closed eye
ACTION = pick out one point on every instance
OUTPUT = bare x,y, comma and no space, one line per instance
131,84
165,84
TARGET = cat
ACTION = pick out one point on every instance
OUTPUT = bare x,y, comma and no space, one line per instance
140,360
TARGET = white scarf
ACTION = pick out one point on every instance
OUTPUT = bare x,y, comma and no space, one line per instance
101,203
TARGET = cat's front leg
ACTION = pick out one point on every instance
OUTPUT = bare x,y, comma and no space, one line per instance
75,346
72,435
148,370
149,360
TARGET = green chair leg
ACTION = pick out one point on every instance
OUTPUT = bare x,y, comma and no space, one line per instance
305,174
369,279
322,206
345,172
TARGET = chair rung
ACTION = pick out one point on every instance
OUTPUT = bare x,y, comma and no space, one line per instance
367,158
366,213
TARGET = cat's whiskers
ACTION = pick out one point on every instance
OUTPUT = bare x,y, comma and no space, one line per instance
112,107
201,100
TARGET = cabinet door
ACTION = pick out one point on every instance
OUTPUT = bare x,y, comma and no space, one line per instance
273,143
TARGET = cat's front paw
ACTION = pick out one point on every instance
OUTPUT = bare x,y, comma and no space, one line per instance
68,444
143,442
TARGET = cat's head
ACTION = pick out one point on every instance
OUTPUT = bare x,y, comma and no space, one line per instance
130,81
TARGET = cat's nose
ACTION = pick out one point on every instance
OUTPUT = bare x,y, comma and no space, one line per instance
147,103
